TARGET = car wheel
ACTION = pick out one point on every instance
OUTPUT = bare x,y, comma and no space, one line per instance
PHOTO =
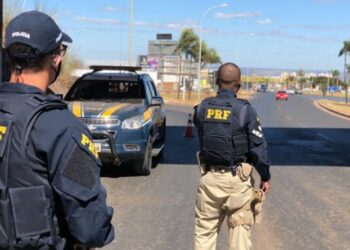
286,99
143,167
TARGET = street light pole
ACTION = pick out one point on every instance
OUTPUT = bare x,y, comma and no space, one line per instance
200,42
131,31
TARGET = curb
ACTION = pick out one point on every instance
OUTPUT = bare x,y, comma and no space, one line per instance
317,103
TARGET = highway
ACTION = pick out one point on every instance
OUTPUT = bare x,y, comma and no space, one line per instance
307,208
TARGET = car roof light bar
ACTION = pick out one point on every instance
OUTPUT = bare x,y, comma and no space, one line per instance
110,67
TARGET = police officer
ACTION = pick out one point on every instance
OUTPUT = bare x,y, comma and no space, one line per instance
231,141
50,191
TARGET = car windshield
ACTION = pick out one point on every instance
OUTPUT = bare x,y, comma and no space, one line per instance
106,90
282,92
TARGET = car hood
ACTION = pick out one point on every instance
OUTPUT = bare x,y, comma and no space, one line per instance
118,109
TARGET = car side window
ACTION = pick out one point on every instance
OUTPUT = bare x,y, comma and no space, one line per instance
152,86
147,90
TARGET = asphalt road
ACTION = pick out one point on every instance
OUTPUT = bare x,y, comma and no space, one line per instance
307,208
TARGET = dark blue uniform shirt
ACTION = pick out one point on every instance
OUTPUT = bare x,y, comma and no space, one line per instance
257,154
62,154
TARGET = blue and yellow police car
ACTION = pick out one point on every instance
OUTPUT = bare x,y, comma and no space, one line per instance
124,112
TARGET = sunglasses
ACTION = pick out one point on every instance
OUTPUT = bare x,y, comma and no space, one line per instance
61,51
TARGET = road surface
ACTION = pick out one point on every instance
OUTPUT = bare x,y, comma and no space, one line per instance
307,208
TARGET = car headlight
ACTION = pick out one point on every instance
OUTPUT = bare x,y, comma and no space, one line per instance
138,121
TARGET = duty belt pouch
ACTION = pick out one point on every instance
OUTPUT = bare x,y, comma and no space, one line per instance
244,171
5,225
31,211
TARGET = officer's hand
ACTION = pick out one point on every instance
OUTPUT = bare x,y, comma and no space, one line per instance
265,186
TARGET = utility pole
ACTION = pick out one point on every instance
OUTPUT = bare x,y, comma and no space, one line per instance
131,31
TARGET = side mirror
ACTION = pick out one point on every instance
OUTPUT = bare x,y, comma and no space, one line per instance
157,101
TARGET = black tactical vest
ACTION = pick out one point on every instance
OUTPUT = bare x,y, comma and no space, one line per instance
224,139
27,217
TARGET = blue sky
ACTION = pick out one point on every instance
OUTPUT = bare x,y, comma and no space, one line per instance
295,34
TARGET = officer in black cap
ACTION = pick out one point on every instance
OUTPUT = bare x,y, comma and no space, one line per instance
51,196
231,142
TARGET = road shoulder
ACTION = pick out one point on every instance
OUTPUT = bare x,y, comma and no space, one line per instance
339,109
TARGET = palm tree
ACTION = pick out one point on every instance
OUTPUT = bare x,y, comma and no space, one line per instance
187,43
187,46
344,51
302,80
335,75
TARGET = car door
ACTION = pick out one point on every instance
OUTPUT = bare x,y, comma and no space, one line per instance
157,109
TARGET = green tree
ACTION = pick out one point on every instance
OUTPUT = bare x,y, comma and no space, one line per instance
301,78
344,51
187,44
290,80
335,75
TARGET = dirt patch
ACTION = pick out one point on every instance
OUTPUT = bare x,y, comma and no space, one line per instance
339,108
194,98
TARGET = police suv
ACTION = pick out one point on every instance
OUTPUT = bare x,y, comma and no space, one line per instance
124,112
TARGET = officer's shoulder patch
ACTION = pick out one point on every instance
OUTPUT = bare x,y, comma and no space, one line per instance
85,142
80,168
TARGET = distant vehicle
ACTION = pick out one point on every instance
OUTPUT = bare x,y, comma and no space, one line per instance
262,88
290,91
281,95
298,92
124,112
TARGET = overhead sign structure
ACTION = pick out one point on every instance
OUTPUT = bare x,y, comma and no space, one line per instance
164,36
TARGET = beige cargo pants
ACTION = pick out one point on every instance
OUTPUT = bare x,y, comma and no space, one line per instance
220,195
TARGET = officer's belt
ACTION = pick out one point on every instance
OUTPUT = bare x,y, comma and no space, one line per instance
222,169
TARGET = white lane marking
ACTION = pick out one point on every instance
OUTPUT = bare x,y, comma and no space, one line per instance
289,118
324,137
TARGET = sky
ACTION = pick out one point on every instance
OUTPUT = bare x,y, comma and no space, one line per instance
282,34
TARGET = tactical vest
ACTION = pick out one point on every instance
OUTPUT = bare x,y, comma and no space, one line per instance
27,217
224,138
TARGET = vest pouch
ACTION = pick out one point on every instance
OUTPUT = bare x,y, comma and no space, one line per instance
31,212
5,223
241,144
218,149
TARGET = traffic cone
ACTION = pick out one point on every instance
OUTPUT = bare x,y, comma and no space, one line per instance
189,128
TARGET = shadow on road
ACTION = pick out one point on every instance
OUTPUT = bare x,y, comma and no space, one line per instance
308,146
286,147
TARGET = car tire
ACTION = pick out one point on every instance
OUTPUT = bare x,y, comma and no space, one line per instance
143,167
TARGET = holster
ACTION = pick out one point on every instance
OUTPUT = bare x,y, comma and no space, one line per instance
250,212
201,164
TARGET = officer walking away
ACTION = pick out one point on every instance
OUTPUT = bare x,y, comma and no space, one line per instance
50,191
231,142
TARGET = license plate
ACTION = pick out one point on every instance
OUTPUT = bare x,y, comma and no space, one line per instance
98,147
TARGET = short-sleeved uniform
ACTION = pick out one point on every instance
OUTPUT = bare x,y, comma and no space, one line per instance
234,124
62,159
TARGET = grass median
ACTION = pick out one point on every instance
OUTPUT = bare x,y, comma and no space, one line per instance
336,107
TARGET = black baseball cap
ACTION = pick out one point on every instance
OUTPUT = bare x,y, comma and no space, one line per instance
37,30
